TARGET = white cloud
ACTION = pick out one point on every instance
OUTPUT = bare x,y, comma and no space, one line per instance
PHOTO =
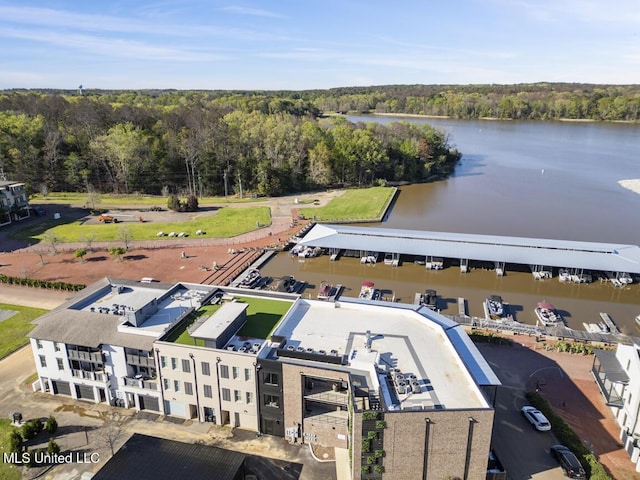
110,47
255,12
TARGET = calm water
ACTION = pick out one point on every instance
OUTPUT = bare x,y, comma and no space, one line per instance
549,180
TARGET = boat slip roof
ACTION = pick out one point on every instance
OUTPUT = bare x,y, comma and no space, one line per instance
527,251
409,338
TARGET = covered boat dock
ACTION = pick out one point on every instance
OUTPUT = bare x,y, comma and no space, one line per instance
616,260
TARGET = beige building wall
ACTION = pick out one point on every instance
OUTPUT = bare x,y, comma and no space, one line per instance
318,429
239,409
404,444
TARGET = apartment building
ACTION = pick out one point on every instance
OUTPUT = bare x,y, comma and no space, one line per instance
13,202
399,385
617,374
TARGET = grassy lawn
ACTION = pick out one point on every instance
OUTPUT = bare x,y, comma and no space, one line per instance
262,316
13,330
79,198
7,470
354,205
227,222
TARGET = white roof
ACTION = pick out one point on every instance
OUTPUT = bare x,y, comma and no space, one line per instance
213,327
415,341
520,250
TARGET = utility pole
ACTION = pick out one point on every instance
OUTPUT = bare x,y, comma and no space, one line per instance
240,182
225,185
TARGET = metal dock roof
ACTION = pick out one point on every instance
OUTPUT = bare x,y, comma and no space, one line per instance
527,251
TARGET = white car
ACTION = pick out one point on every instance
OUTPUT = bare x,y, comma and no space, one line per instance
536,418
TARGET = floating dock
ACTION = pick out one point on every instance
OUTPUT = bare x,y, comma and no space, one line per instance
613,328
462,307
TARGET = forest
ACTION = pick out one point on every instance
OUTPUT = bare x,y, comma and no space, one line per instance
203,144
220,142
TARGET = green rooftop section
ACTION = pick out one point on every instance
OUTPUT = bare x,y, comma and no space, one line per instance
263,314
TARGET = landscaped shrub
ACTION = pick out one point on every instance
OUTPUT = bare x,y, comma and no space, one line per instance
51,425
52,447
15,441
32,282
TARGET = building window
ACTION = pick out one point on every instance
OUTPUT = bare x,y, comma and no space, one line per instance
166,383
185,366
272,400
43,361
56,346
163,361
237,395
38,344
188,388
247,374
236,372
271,378
206,369
60,364
249,397
174,363
226,394
176,385
207,391
224,371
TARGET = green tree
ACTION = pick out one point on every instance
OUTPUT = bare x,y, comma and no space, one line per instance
80,253
117,252
51,425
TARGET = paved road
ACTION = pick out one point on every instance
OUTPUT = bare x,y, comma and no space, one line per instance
14,369
523,451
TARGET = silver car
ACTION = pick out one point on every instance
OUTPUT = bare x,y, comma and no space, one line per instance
536,418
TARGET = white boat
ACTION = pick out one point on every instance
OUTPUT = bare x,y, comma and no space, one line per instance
548,315
429,299
388,258
367,290
495,307
564,275
638,321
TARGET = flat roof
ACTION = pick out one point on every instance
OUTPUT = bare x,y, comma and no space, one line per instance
416,341
520,250
97,314
144,457
214,326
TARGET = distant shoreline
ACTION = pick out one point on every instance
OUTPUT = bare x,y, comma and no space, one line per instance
493,119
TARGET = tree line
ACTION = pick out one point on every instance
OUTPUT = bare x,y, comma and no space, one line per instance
204,143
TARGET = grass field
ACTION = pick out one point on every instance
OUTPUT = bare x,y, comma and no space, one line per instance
367,204
227,222
262,316
13,330
78,198
7,470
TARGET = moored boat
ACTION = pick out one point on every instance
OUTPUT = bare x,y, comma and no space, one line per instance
495,307
548,315
324,292
638,321
367,290
429,299
564,275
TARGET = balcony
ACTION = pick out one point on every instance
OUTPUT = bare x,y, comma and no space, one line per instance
337,418
87,375
140,383
95,357
142,361
324,395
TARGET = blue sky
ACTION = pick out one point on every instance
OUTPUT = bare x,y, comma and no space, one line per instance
303,44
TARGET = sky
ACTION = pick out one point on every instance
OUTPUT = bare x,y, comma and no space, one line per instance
307,44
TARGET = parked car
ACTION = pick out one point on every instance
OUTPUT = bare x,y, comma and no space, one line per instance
568,461
536,418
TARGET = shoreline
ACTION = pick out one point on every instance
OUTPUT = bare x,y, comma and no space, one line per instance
492,119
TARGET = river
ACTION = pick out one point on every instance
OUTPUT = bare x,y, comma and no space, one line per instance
530,179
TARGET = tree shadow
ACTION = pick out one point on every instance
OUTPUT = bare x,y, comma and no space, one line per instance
99,258
135,257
